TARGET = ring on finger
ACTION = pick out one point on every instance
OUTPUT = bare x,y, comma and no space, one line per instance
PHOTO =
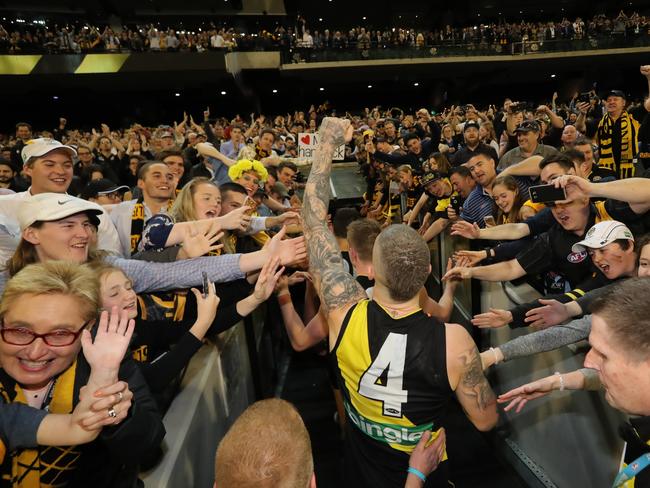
112,413
120,395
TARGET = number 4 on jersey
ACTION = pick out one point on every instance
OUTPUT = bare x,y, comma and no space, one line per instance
391,357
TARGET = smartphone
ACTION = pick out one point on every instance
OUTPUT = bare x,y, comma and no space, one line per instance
455,203
546,193
584,97
252,206
489,221
206,284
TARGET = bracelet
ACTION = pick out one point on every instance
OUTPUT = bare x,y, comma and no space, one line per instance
417,473
496,358
561,380
284,299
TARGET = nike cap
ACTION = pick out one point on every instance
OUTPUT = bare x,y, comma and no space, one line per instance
49,207
603,233
43,145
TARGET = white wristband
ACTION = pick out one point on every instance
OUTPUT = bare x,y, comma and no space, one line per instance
561,380
496,358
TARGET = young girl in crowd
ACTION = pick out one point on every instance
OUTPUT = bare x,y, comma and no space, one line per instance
511,206
164,347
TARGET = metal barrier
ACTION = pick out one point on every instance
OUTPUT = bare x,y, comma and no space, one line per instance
217,388
564,439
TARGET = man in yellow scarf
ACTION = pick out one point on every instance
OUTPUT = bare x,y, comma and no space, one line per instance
617,136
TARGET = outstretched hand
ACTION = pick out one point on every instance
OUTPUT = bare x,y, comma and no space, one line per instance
492,319
518,397
197,243
268,278
289,251
111,343
235,220
550,313
465,229
458,273
470,258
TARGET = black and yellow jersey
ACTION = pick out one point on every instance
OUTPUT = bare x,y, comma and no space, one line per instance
394,381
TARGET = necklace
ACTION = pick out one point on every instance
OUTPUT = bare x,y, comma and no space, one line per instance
395,312
35,398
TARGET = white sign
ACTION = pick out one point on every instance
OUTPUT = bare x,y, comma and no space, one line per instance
307,145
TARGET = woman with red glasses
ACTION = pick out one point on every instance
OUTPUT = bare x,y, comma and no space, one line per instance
45,312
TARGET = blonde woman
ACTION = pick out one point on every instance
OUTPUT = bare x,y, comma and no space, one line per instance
196,221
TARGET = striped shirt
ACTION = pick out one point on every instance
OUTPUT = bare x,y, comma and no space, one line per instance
479,203
149,276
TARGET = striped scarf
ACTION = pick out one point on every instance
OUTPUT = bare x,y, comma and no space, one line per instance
629,144
43,466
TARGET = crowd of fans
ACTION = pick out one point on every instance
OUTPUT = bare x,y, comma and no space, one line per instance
179,231
25,38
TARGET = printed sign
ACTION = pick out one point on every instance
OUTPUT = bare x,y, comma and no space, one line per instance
307,145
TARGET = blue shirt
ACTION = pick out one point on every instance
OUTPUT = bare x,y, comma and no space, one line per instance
479,203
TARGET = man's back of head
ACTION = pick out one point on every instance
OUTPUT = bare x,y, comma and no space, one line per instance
267,447
342,220
401,261
362,234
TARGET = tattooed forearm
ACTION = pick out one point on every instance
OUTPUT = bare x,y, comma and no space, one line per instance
335,287
473,381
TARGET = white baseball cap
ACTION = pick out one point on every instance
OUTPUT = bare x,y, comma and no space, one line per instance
42,146
603,233
48,207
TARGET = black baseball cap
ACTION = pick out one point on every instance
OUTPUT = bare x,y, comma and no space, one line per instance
527,126
615,93
100,187
430,177
471,124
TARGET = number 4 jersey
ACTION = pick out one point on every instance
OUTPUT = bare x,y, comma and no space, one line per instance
395,387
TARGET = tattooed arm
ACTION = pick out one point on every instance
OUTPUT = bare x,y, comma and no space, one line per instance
467,379
337,289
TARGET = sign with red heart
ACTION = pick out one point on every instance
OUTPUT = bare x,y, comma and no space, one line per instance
308,142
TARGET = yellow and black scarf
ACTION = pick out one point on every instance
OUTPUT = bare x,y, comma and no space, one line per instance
43,466
261,153
137,224
629,144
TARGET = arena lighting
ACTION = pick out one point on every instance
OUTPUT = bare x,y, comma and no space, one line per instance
364,18
416,84
320,19
321,89
369,86
55,97
275,91
177,94
223,92
552,76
